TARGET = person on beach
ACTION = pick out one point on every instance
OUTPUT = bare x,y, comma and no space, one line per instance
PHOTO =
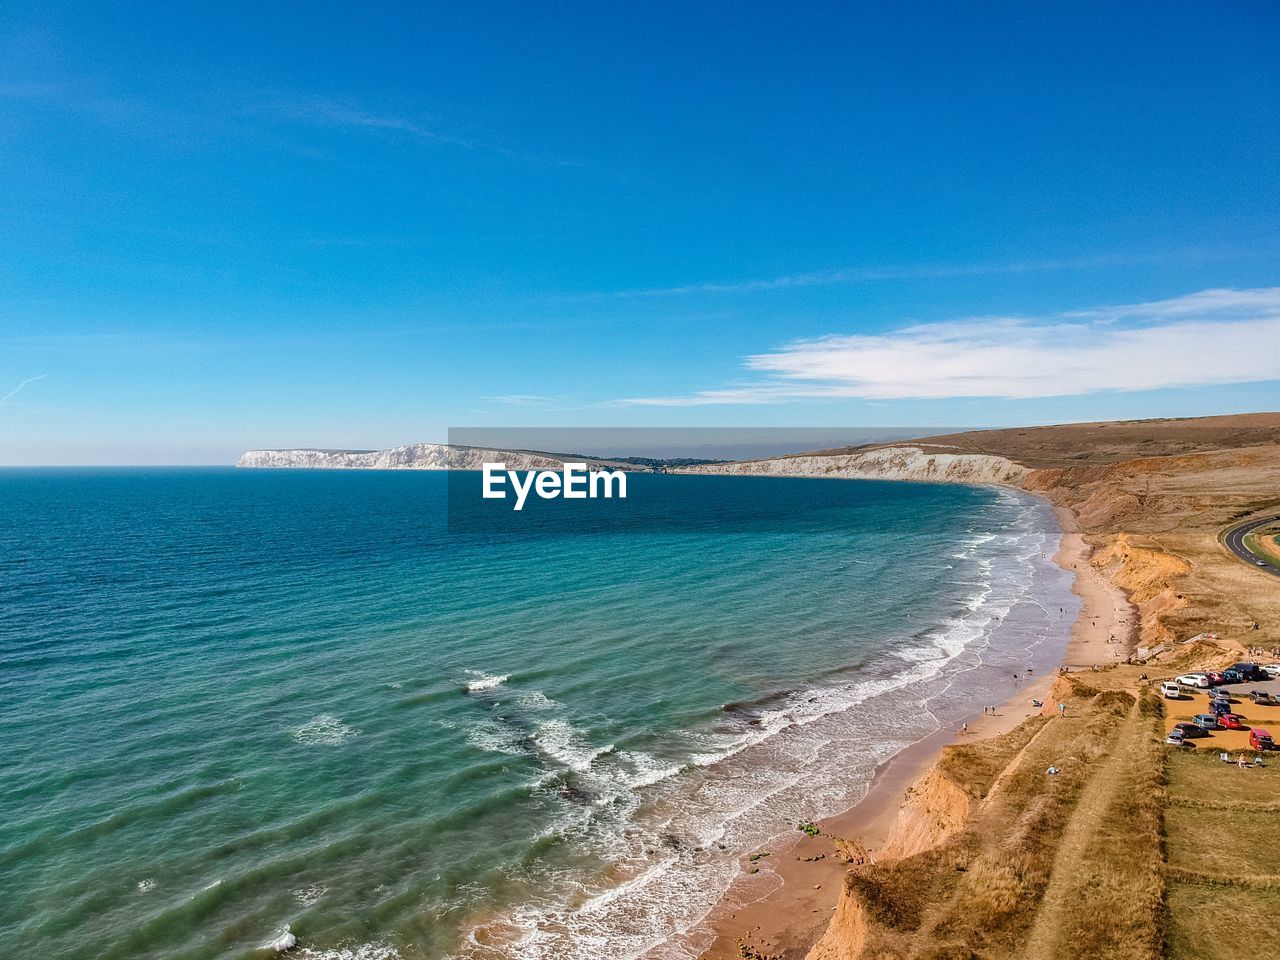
1062,709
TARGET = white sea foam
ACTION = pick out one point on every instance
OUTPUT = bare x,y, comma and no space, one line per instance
493,736
535,700
149,883
310,896
485,681
362,951
283,941
324,730
565,743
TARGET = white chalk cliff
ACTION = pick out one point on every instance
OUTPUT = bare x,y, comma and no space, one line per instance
414,456
901,462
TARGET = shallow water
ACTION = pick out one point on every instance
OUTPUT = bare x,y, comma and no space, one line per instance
233,701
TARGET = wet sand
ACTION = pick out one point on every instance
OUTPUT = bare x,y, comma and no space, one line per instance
806,872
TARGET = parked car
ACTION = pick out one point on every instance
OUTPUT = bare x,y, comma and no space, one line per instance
1219,707
1170,690
1206,721
1194,680
1176,739
1215,677
1189,730
1232,676
1259,739
1262,697
1231,721
1272,670
1249,670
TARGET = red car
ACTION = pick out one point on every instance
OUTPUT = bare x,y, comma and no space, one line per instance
1231,721
1259,739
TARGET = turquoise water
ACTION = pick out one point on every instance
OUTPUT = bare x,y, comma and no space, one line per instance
233,701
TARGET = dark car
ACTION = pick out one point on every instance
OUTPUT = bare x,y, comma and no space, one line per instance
1261,696
1219,707
1206,721
1249,670
1232,676
1190,730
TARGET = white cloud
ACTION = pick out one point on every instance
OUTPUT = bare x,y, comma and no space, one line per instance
18,389
520,399
328,112
1210,337
916,271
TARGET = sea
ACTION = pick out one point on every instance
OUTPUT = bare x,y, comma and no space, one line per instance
246,708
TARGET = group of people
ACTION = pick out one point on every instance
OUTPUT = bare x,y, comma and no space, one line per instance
1263,652
1241,761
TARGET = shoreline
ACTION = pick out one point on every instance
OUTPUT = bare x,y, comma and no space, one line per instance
786,921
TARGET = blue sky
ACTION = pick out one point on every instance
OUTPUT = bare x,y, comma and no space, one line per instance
229,226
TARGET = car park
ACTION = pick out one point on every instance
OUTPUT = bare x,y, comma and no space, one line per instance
1260,739
1194,680
1170,691
1206,721
1231,721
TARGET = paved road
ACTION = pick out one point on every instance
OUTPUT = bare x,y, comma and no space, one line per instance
1235,543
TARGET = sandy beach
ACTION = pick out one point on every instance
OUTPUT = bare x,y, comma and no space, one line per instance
808,870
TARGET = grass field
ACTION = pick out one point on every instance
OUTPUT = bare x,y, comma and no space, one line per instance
1222,840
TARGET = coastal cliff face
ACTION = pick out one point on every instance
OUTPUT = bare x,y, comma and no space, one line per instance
934,810
413,456
901,462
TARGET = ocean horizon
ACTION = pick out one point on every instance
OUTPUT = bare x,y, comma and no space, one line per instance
244,702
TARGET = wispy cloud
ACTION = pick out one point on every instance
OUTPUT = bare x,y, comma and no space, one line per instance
348,114
521,399
920,271
1210,337
18,389
329,112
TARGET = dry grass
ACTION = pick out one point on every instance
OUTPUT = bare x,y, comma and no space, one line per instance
1200,929
1224,842
1200,777
971,896
974,766
1118,890
1221,840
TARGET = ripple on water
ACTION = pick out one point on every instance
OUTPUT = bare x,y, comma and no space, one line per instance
324,730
